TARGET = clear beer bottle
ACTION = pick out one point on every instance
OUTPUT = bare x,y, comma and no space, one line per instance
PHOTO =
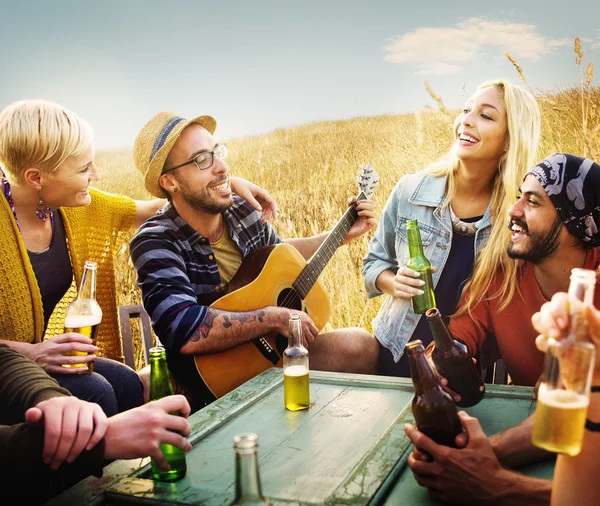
564,387
84,314
418,262
296,385
433,409
160,386
248,490
454,362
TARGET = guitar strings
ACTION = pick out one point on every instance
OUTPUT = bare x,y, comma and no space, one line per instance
303,287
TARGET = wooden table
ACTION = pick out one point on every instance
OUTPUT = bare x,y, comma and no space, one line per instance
348,448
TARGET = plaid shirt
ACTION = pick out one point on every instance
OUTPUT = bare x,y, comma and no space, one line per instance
175,265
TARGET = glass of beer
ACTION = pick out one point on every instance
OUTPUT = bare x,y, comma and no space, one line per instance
563,396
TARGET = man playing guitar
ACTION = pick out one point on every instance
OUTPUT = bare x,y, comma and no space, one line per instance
186,255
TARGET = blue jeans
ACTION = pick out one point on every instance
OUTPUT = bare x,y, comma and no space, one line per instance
113,385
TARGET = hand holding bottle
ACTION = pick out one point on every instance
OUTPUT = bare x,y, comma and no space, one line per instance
552,321
408,283
145,430
52,354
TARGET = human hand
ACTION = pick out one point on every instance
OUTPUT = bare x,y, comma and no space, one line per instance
443,381
140,431
51,354
467,475
309,330
256,196
70,426
366,219
408,283
552,321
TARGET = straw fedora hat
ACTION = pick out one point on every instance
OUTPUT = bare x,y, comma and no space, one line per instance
155,141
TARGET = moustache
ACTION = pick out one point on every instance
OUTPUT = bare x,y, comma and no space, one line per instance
219,180
520,223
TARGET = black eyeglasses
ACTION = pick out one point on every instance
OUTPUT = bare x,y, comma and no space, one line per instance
205,159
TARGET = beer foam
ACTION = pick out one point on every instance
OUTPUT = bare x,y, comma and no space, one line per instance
295,370
563,399
78,320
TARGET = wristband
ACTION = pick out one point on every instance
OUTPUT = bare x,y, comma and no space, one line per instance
595,389
592,426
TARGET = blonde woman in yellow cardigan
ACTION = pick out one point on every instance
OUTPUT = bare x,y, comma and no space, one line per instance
51,222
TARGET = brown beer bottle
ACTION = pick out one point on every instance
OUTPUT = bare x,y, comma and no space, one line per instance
454,362
433,409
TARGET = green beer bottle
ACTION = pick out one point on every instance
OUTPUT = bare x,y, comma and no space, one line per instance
160,386
419,263
248,490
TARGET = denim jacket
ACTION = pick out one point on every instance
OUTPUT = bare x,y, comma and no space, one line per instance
416,196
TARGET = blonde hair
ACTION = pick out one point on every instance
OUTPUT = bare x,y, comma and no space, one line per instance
40,134
523,121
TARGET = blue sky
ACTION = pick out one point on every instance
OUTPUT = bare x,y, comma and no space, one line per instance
256,65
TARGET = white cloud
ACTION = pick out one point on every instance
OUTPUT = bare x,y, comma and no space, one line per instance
442,51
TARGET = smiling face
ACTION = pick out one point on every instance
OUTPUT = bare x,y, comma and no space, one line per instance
537,230
204,190
68,185
480,129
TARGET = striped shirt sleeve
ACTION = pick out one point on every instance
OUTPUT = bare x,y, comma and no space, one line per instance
167,293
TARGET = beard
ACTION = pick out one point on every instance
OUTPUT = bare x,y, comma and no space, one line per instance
542,245
200,200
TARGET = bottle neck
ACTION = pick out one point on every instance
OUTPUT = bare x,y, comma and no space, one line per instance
582,290
441,335
87,289
247,481
295,333
423,377
581,293
415,246
160,381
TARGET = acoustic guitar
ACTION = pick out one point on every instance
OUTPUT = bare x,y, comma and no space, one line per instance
275,276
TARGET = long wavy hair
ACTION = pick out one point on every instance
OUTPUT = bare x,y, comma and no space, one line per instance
523,133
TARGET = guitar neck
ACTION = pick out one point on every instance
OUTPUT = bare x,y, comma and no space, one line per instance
313,269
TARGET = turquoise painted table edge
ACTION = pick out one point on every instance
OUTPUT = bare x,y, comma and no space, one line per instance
211,418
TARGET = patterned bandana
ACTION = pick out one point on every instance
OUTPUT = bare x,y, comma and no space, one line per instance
573,185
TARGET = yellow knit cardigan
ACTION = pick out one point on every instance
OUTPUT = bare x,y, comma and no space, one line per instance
93,233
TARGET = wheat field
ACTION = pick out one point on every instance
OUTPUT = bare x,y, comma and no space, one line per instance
310,171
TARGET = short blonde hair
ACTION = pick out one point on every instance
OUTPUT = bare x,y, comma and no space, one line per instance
523,120
40,134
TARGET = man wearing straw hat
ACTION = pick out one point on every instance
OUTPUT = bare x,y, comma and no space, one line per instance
196,245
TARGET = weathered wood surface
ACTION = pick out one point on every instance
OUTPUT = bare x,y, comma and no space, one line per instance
348,448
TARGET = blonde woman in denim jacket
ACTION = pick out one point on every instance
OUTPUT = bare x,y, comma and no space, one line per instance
461,205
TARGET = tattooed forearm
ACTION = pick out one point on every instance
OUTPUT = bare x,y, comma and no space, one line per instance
228,319
206,325
250,316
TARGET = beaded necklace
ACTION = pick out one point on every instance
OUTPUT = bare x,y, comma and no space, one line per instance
8,195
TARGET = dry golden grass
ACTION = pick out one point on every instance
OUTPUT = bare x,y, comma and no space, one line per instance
310,171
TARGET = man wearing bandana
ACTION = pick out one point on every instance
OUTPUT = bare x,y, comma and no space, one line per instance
554,228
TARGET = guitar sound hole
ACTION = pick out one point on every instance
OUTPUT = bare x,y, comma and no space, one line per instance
290,299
